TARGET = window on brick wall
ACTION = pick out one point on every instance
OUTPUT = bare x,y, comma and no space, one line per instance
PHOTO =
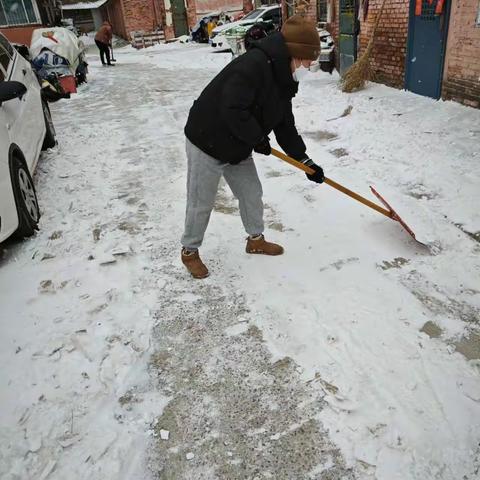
18,12
478,15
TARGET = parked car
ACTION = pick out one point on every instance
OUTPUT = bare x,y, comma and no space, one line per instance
326,60
26,128
232,37
241,37
272,14
220,43
237,38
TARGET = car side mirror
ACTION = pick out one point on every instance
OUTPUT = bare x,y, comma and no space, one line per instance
11,90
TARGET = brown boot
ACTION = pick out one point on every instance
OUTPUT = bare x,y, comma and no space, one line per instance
194,265
260,245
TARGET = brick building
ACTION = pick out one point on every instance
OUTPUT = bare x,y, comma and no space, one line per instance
430,47
18,20
86,16
126,15
461,79
134,15
390,50
173,17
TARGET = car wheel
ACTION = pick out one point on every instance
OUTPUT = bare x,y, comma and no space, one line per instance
25,199
50,136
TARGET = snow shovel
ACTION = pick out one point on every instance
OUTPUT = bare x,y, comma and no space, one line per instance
112,58
388,212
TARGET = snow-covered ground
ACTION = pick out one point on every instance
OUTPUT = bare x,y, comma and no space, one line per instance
354,355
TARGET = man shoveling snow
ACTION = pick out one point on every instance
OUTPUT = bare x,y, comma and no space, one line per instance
103,39
244,103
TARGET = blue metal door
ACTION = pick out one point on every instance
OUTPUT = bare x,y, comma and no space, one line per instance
427,37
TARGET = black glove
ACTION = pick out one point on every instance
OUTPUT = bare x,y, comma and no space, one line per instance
317,176
263,147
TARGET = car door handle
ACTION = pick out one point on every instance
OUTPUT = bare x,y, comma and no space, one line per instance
24,71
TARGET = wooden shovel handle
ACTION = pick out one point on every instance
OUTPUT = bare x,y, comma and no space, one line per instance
333,184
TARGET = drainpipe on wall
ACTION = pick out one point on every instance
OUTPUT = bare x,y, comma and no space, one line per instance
157,15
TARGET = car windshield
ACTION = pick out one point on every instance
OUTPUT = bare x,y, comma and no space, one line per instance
254,14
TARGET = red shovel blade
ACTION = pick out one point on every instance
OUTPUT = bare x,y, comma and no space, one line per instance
394,214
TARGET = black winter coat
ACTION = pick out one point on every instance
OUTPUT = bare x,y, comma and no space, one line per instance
248,99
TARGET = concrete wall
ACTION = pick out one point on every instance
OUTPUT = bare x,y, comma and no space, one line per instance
462,66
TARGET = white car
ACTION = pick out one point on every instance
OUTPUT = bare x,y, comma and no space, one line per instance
326,60
264,14
219,42
25,128
326,45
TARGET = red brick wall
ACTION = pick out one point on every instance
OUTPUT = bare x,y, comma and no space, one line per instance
192,8
113,12
21,35
462,66
132,15
139,15
307,8
390,47
461,80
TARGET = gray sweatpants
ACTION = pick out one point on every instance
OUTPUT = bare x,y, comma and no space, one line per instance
203,176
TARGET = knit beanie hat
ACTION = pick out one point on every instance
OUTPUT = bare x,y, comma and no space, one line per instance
301,38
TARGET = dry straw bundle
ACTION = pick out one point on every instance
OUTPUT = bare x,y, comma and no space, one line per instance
361,71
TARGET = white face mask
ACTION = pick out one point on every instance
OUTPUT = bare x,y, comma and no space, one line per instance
299,72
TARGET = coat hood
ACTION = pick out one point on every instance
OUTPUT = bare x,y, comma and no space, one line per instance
275,48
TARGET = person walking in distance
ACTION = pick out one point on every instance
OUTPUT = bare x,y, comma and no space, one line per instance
242,105
103,39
